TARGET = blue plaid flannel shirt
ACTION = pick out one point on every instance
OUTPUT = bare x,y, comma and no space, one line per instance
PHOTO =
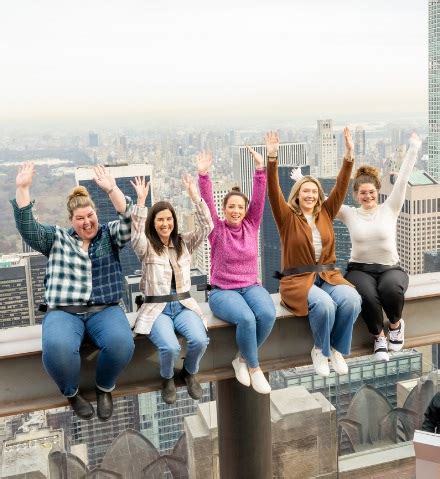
75,276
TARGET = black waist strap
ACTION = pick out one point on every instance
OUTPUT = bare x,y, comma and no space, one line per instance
167,298
306,268
372,267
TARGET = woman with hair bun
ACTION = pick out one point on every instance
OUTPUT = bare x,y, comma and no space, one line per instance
236,295
83,288
374,263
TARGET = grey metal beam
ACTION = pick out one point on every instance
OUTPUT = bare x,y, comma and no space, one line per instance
25,386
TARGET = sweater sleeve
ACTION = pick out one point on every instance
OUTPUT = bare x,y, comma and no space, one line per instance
256,204
205,187
203,227
280,209
139,240
337,195
397,196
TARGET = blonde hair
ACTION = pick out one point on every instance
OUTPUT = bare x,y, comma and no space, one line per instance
79,197
293,201
366,174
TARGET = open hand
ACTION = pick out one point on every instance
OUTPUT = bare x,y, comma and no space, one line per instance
258,159
103,178
272,144
204,162
24,175
349,145
141,187
191,187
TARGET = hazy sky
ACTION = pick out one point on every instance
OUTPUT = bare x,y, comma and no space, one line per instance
178,59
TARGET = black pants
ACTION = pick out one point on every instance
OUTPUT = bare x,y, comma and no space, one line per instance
380,290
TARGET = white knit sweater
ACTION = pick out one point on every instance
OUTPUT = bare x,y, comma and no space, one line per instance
373,232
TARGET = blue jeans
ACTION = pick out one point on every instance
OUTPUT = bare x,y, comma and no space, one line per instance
333,309
63,334
177,318
252,310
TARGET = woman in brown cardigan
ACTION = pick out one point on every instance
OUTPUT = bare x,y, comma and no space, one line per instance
310,284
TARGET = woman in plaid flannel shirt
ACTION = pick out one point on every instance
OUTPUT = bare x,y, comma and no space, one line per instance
83,287
168,308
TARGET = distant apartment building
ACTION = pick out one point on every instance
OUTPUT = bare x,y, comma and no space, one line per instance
326,149
418,225
93,139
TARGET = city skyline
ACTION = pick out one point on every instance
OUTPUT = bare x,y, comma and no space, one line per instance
173,63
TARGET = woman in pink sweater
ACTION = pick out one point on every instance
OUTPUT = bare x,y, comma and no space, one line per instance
236,295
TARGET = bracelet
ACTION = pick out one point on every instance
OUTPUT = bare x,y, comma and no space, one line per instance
110,191
273,157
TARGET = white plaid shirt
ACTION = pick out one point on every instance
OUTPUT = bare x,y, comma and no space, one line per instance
157,270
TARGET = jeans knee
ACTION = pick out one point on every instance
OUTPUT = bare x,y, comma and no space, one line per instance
172,350
199,343
324,308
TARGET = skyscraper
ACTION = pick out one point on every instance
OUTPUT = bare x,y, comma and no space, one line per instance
106,212
434,90
418,224
359,144
93,139
326,149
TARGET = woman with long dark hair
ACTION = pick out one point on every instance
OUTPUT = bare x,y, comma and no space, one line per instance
166,263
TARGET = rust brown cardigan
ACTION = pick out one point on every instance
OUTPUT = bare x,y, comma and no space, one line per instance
296,238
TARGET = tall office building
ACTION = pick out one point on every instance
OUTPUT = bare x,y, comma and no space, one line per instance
326,149
359,145
434,90
291,154
15,295
106,212
418,225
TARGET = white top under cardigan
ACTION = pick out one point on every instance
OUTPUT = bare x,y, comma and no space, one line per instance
373,232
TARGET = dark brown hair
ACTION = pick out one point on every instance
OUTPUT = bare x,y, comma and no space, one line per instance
79,197
366,174
151,232
235,191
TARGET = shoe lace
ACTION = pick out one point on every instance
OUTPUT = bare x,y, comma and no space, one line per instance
381,341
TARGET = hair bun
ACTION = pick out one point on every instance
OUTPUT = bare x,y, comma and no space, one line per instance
236,188
367,170
79,191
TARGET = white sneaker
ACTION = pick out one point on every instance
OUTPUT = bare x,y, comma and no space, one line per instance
259,382
381,349
320,362
241,372
397,337
338,362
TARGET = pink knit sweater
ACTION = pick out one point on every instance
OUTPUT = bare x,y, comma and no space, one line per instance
234,249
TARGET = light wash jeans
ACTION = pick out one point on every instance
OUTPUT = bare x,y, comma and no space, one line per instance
333,309
252,310
177,318
63,334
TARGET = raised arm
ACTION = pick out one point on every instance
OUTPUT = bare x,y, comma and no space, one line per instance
139,239
397,196
276,198
204,162
104,179
337,195
204,224
37,236
254,213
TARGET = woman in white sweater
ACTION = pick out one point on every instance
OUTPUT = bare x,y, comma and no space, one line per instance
374,263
